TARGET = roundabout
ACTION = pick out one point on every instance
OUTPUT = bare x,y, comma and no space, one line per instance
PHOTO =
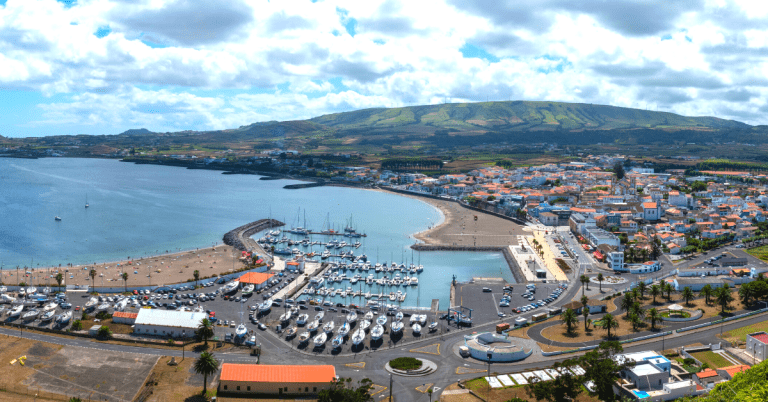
608,280
410,367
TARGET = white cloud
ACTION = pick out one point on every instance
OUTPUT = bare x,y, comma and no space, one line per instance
691,56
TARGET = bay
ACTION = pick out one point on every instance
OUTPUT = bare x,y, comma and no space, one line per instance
141,210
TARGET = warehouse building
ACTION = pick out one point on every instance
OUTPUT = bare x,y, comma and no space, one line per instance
122,317
275,379
167,323
257,279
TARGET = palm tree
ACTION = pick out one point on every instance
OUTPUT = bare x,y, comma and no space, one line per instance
635,320
196,275
642,287
687,294
59,278
609,322
707,292
585,314
125,280
655,292
584,301
93,277
723,297
600,280
747,293
654,317
569,319
206,365
205,330
626,302
584,280
637,310
669,289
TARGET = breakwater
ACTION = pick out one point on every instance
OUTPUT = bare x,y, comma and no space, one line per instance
513,267
239,238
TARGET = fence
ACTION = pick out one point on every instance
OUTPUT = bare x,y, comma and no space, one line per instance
642,338
736,317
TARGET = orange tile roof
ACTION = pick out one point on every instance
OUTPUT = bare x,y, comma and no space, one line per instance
733,370
706,373
277,373
256,278
123,314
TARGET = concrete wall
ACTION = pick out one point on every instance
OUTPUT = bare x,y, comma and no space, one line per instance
755,347
268,388
164,332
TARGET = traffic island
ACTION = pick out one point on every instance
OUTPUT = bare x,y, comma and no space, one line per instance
410,367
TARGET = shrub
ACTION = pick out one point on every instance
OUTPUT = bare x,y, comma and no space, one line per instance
689,361
405,363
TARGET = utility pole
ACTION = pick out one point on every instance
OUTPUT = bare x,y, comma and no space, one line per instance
390,387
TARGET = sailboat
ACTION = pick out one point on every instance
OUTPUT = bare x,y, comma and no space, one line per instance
358,337
320,339
241,329
377,332
57,218
397,326
86,200
304,337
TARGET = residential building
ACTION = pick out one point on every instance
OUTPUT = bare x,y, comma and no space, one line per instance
279,380
167,323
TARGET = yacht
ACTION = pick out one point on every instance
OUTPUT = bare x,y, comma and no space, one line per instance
265,307
381,320
3,289
320,339
344,329
337,341
416,328
56,218
399,316
312,327
423,319
319,316
365,324
92,302
358,337
285,317
328,327
248,289
397,326
22,292
302,320
4,298
31,290
50,306
102,307
241,330
231,287
291,331
64,318
351,317
433,326
30,315
47,316
377,332
303,337
414,281
16,311
368,316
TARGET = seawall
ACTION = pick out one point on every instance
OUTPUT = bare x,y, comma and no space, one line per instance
240,238
513,267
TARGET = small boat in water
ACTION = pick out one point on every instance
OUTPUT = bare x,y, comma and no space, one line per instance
377,332
416,328
320,339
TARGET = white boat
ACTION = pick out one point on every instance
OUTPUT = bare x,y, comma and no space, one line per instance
303,337
382,320
4,298
56,218
365,324
369,316
433,326
31,290
285,317
416,328
291,331
414,281
122,304
399,316
230,287
344,329
3,289
91,303
50,306
30,315
302,320
351,317
46,290
328,327
312,327
337,341
64,318
397,326
320,339
265,307
16,311
377,332
248,289
22,292
102,307
358,337
86,201
241,330
47,316
423,319
319,316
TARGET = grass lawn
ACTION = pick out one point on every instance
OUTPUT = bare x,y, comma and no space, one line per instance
713,359
480,386
759,252
740,334
558,333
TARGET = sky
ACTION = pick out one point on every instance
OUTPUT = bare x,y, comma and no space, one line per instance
102,67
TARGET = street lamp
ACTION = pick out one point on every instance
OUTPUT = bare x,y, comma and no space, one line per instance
490,355
183,337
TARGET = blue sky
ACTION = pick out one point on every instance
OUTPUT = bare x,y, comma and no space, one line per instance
102,67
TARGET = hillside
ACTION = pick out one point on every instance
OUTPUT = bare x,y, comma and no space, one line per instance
519,116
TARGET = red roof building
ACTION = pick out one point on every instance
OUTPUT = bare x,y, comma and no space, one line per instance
121,317
255,278
275,379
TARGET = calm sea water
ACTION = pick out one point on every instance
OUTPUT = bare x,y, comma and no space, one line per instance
139,210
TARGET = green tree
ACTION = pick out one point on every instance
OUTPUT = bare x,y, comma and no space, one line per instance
687,295
626,302
669,289
565,387
723,297
637,310
655,292
585,314
654,317
342,390
125,280
59,278
196,275
206,365
205,330
609,322
746,294
584,281
104,332
642,287
707,292
618,170
655,248
602,369
634,320
92,274
77,325
600,281
569,319
584,301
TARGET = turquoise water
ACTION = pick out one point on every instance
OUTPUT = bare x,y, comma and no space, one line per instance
140,210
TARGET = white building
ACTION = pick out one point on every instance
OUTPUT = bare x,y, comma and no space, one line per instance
757,344
167,323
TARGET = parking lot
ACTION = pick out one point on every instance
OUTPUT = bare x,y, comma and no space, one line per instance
485,304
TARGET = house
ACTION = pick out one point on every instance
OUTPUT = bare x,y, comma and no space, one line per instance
708,378
167,323
757,345
122,317
548,218
651,211
258,279
595,306
730,371
696,284
263,379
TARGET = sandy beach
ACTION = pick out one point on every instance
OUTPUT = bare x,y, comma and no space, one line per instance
460,228
164,269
